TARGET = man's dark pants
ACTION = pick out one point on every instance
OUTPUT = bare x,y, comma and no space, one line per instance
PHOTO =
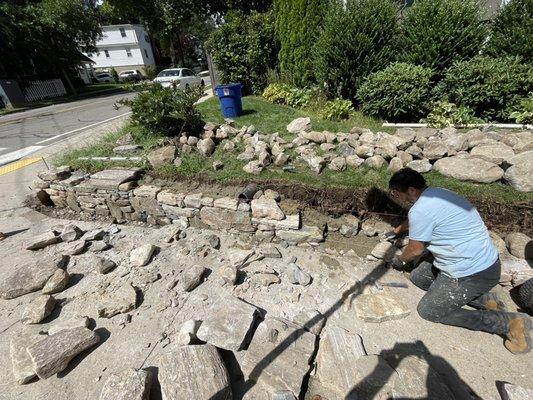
446,297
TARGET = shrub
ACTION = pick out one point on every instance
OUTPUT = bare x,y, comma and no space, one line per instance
356,41
298,24
435,33
448,114
489,86
150,72
337,110
399,92
244,50
165,110
523,114
511,32
281,93
277,93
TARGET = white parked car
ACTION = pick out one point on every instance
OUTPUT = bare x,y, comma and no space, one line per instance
104,77
182,78
130,75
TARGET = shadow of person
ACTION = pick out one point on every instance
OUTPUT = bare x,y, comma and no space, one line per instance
442,381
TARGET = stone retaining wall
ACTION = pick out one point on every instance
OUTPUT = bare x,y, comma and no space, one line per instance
115,194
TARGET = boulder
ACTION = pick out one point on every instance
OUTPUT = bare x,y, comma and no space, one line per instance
193,372
253,167
70,233
227,203
291,222
395,165
226,219
405,157
494,153
20,359
307,234
378,307
104,265
169,198
297,276
57,282
129,384
316,163
192,277
373,227
288,349
383,250
52,354
519,141
346,150
228,324
187,333
521,158
162,156
299,124
364,151
76,321
469,169
281,159
117,301
55,174
206,147
519,245
112,178
354,161
265,207
27,278
337,164
38,309
149,191
375,162
421,166
141,256
435,150
520,176
193,200
406,133
42,240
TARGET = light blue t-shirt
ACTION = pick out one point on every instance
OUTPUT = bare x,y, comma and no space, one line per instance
454,232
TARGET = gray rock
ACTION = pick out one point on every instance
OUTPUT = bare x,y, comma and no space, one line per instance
354,161
270,251
264,279
127,148
206,147
57,282
56,174
214,241
169,198
519,141
27,278
312,320
162,156
346,150
112,178
494,153
375,162
20,359
281,159
291,222
192,277
149,191
241,258
421,166
193,372
70,233
297,276
125,139
76,321
129,384
229,274
265,207
286,369
98,246
299,124
520,176
226,203
383,250
469,169
52,354
519,245
104,265
521,158
435,150
117,301
43,240
226,219
308,234
379,308
228,324
141,256
337,164
253,167
364,151
188,331
95,234
515,392
395,164
316,163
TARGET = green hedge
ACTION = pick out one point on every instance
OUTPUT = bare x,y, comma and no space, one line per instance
400,92
244,50
491,87
436,33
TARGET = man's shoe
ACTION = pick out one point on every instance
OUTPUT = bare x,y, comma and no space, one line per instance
2,236
518,338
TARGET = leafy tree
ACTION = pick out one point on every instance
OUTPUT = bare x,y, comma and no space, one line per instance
355,42
512,33
245,49
298,24
435,33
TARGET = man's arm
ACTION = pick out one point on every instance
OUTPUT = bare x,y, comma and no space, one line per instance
414,249
403,227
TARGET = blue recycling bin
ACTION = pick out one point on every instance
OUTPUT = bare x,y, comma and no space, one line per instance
230,98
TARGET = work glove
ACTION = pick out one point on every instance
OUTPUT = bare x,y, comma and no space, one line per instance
396,263
390,236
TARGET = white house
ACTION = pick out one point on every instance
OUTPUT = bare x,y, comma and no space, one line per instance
123,47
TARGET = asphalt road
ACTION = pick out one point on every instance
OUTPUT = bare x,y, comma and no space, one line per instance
26,132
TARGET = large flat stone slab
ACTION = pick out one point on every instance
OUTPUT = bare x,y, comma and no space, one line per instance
111,178
469,169
129,384
379,308
226,219
20,359
194,372
52,354
228,323
27,278
42,240
279,355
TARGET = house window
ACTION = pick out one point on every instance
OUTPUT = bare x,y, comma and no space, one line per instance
122,32
128,52
146,54
106,53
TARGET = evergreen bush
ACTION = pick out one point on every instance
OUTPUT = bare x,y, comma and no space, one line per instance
435,33
400,92
355,42
244,50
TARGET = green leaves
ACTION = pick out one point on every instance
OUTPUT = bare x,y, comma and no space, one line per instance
400,92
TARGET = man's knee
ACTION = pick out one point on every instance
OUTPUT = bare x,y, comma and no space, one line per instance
422,275
427,311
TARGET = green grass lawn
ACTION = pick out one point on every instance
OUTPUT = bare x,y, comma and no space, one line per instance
269,118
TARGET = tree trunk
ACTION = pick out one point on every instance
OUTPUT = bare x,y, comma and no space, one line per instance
181,52
69,83
172,53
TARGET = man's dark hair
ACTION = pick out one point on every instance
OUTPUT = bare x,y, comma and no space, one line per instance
406,178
